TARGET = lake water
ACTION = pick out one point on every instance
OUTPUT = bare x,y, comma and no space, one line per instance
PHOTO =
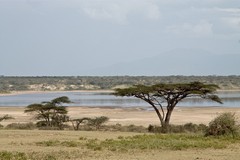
98,99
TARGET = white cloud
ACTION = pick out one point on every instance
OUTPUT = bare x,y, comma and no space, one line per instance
229,10
231,17
201,29
118,11
233,22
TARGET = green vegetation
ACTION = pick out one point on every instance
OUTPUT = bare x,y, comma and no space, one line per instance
8,84
23,126
5,117
98,121
50,114
171,94
161,141
148,142
186,128
44,145
224,124
13,155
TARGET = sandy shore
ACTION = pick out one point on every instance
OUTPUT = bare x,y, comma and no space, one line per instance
126,116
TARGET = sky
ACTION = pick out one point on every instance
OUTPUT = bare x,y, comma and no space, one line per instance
89,37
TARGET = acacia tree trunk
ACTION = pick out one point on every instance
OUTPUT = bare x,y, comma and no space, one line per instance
158,114
167,119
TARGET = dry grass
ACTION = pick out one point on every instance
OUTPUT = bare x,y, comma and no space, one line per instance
61,145
35,144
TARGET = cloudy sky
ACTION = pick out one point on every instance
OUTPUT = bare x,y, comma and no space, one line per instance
79,37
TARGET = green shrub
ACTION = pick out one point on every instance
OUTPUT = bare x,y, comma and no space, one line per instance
188,127
161,142
98,121
27,126
224,124
5,155
49,143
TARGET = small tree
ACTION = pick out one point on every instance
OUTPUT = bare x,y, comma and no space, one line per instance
224,124
52,113
5,117
98,121
169,94
76,122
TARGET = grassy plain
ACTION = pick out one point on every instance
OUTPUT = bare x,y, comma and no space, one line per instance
51,145
96,145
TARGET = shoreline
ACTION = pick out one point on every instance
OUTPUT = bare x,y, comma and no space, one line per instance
128,116
89,91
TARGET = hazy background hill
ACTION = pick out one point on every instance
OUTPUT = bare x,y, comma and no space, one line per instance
176,62
8,84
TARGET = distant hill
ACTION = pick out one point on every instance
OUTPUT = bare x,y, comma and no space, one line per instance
177,62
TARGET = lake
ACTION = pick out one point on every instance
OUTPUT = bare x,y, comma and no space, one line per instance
105,99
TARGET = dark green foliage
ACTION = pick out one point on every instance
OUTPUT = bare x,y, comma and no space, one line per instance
25,126
50,114
98,121
224,124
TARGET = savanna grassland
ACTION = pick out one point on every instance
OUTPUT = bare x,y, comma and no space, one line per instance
129,134
35,144
51,145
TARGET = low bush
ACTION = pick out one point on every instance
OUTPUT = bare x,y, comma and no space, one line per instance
52,143
188,127
5,155
27,126
97,122
161,141
224,124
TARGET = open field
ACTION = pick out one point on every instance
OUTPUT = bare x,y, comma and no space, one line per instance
35,144
96,145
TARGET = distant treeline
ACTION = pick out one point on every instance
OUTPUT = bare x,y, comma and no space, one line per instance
106,82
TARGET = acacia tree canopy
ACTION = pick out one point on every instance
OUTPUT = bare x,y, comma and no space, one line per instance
169,94
51,113
5,117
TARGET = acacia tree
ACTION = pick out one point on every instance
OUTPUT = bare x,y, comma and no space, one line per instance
169,94
98,121
5,117
76,122
52,113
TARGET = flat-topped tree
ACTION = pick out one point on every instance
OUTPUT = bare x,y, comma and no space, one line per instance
5,117
51,113
169,94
